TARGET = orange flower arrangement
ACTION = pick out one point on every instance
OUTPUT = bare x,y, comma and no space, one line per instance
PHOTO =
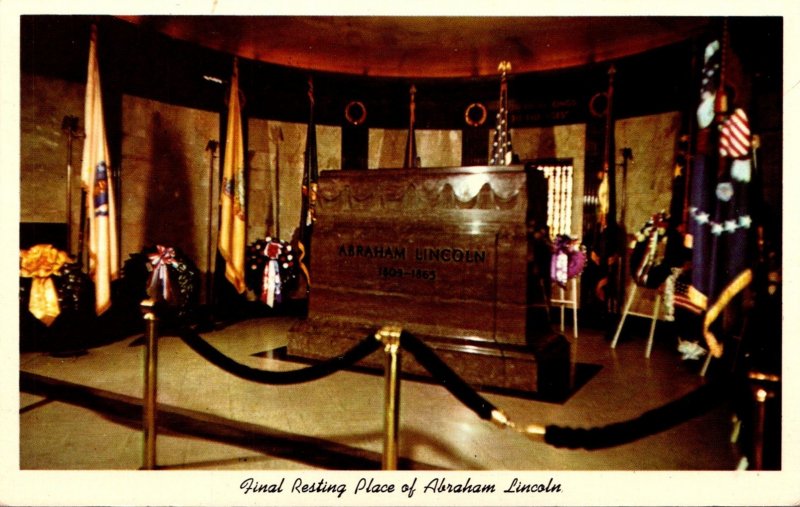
40,262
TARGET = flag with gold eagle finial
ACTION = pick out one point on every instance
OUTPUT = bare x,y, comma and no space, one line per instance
232,197
97,181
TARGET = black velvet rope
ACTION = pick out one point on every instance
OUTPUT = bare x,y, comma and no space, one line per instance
654,421
651,422
358,352
428,359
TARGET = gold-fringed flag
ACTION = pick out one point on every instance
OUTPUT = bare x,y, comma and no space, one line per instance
232,214
721,232
97,182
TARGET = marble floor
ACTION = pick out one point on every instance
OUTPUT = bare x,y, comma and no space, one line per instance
83,414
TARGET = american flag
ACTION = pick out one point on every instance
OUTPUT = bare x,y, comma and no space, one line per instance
734,138
720,228
502,154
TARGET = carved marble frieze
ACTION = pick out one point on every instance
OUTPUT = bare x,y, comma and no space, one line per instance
424,190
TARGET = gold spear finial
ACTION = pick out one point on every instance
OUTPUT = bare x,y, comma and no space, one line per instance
504,67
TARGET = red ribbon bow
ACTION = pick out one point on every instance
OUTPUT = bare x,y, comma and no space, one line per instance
271,281
163,257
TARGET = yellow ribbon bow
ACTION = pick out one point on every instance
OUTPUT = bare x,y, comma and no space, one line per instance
40,262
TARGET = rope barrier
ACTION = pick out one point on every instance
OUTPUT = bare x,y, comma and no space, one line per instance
654,421
358,352
651,422
445,375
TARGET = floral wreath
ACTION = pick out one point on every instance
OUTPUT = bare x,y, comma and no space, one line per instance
568,260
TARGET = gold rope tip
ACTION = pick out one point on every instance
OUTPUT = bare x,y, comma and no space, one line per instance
500,419
533,431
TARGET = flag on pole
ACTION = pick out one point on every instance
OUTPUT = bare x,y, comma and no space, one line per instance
309,190
232,214
502,153
720,228
97,182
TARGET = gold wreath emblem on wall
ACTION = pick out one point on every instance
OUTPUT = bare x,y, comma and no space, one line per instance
475,114
355,112
598,104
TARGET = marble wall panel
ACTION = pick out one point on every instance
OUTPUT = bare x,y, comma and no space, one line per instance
259,182
652,139
165,178
285,158
44,102
435,148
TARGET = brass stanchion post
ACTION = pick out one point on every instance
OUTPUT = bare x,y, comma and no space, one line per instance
390,337
148,308
758,437
762,391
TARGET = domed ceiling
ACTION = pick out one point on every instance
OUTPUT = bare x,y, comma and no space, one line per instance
424,46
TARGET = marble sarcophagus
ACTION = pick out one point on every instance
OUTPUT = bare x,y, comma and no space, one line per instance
447,254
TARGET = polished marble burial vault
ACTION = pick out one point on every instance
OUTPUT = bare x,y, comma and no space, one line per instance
447,254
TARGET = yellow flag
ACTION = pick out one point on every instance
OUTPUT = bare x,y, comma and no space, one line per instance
97,181
232,217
